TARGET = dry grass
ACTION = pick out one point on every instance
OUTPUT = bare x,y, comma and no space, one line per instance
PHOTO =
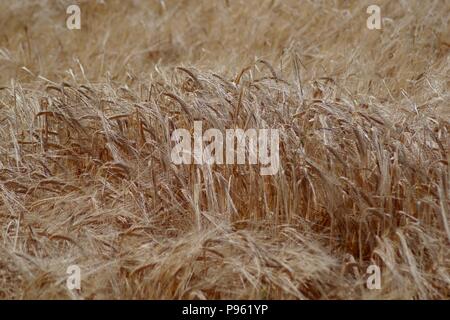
85,170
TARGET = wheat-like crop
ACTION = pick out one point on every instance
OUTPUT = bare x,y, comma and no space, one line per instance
86,177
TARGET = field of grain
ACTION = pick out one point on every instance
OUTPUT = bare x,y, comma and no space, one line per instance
86,177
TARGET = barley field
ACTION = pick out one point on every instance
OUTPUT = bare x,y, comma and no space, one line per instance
86,176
